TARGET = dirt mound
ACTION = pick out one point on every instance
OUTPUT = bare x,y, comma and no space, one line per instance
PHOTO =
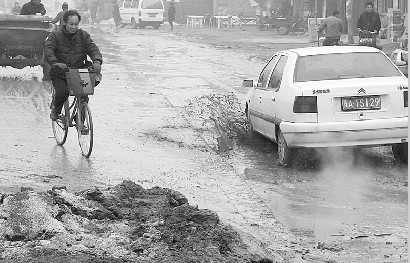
125,223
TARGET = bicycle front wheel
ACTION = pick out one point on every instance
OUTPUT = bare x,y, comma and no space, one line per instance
225,25
85,129
60,127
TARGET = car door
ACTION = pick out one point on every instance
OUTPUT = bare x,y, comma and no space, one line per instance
270,96
255,103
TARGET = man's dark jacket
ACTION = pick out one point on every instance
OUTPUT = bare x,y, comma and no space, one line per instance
31,9
71,49
369,21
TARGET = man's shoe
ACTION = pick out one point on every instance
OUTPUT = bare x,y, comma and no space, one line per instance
53,115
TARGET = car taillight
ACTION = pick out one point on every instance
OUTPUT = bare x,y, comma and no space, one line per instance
305,104
406,98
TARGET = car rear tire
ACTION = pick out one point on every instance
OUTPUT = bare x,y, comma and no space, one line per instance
134,23
284,152
400,152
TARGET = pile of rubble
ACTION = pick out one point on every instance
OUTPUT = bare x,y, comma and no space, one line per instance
125,223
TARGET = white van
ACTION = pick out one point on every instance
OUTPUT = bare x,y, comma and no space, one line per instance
142,13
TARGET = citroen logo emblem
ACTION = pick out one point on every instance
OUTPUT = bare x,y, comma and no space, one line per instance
361,91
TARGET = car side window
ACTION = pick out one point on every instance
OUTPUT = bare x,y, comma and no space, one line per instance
277,73
127,3
264,76
134,3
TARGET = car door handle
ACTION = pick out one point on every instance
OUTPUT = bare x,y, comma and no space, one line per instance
273,98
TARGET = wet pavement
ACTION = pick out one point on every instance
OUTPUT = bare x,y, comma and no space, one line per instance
154,123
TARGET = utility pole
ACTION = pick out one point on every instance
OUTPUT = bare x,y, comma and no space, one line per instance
349,19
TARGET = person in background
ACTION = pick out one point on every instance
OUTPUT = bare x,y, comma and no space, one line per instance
60,15
333,27
68,48
93,11
16,9
33,7
369,21
171,14
117,15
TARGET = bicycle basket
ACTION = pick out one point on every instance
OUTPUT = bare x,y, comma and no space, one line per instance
80,82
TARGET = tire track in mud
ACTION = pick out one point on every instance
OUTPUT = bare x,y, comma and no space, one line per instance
242,207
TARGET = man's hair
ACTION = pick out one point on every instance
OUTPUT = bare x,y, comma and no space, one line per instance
71,13
335,13
369,3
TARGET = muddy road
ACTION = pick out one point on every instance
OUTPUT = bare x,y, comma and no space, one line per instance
168,114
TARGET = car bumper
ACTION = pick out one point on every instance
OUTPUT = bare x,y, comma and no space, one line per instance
151,21
352,133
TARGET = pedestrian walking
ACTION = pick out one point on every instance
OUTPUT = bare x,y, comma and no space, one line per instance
171,14
93,11
333,27
59,17
16,9
117,15
68,48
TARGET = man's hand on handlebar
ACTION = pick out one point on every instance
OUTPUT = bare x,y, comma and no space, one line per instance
97,66
60,65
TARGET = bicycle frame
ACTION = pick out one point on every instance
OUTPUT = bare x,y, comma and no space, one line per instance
73,108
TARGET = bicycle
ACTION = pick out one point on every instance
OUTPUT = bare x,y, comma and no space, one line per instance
230,23
81,83
368,38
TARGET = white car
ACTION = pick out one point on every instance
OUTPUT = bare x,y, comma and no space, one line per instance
142,13
330,96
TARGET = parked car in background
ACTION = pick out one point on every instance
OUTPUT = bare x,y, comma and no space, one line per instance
327,97
142,13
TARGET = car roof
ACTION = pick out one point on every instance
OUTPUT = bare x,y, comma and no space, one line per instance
309,51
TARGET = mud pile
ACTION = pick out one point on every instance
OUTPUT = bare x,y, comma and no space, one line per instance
125,223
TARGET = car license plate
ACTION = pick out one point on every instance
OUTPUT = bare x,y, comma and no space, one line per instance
361,103
152,15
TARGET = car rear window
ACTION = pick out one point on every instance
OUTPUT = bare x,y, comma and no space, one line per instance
151,4
343,66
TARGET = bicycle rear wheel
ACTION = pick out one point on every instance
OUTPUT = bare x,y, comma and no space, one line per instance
60,127
262,26
85,128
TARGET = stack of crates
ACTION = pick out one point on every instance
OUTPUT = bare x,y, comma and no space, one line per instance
395,25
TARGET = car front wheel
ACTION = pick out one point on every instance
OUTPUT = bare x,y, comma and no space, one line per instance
400,152
249,127
284,152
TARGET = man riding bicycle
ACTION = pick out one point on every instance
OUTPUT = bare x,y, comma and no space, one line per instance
369,23
66,48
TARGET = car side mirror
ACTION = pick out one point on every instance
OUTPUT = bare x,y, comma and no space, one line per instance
401,63
247,83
